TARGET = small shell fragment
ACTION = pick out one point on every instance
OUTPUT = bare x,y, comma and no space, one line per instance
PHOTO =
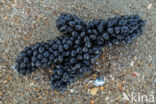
99,81
149,6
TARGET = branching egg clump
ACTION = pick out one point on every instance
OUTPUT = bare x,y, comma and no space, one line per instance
74,53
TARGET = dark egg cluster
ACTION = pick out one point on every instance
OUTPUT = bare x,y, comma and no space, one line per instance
74,53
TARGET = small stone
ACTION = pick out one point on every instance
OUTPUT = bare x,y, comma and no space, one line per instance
56,93
92,102
1,93
102,88
94,91
132,63
99,81
150,65
107,98
135,74
120,86
90,83
13,67
71,90
94,75
116,11
37,89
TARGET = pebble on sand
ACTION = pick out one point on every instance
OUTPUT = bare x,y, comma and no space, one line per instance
92,102
135,74
94,91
